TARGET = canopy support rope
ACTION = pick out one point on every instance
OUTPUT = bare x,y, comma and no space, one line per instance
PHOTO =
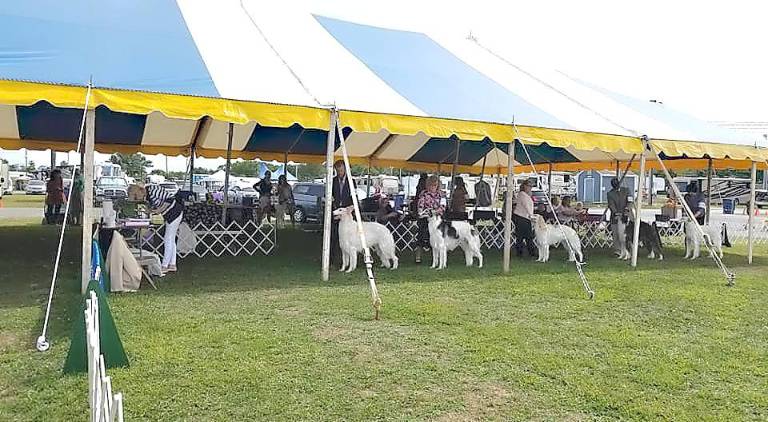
42,341
367,251
579,264
729,275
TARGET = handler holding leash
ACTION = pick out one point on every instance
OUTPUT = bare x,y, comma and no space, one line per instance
430,202
522,214
618,199
342,198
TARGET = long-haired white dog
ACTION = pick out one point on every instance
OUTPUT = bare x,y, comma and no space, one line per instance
549,235
377,236
445,236
693,239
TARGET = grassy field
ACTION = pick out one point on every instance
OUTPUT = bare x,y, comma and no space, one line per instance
255,338
23,201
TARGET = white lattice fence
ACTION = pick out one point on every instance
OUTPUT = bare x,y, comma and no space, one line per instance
103,405
739,233
218,239
405,234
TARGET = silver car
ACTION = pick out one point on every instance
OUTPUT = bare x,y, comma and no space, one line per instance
35,187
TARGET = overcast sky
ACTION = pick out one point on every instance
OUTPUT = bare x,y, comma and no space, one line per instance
705,58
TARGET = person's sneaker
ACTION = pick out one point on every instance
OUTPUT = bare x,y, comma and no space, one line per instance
418,260
171,268
164,269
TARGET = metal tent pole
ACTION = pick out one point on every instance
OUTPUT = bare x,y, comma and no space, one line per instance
549,180
508,205
330,143
709,190
753,182
191,166
639,203
368,183
226,173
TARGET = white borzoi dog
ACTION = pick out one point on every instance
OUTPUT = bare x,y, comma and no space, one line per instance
693,239
445,236
550,235
377,236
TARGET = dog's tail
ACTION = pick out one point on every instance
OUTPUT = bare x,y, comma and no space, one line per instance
657,235
724,233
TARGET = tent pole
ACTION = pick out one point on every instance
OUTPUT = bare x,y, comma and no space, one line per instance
650,188
191,166
618,169
368,183
709,190
549,180
508,205
753,182
226,173
453,168
639,204
326,262
90,137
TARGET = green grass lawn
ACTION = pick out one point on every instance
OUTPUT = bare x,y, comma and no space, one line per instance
257,338
23,201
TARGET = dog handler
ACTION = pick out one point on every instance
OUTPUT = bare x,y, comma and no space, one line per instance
522,219
431,202
618,199
162,202
342,198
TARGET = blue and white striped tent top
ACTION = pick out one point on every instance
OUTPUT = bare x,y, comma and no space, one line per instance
252,51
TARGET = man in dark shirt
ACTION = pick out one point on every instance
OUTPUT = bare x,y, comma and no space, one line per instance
696,202
342,197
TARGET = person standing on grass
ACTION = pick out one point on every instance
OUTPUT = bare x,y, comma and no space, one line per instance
342,198
521,216
431,202
164,203
54,196
76,198
459,197
618,199
695,200
264,187
284,201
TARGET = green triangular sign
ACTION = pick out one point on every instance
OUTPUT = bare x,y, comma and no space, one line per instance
111,346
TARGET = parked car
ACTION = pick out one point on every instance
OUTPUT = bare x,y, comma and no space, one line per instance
110,187
308,198
761,198
35,187
539,197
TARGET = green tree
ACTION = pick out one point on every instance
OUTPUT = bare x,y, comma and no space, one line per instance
311,171
135,165
244,168
31,166
202,170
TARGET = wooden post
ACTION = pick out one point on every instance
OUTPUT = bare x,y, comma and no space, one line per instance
226,173
508,205
330,144
639,204
90,139
750,240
